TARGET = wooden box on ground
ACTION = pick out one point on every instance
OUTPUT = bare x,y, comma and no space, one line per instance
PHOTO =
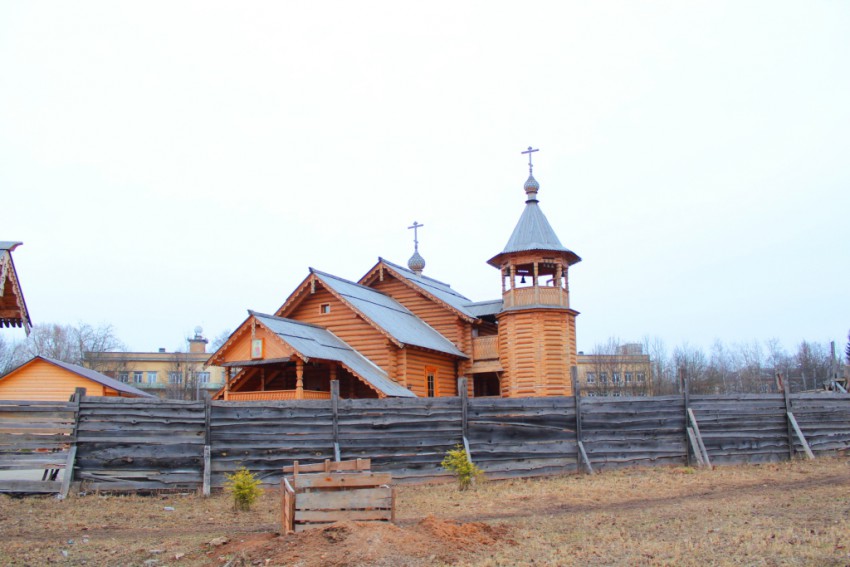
328,492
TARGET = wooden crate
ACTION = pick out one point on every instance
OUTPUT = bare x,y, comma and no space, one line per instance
323,493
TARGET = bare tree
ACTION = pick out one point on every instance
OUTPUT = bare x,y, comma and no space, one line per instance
663,376
721,376
183,377
219,340
692,361
9,356
813,364
68,343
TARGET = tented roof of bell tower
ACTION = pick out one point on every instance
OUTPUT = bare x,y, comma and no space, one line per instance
533,232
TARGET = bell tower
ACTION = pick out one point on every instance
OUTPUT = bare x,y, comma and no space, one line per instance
537,327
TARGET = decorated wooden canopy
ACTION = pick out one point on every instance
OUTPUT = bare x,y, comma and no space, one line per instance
13,308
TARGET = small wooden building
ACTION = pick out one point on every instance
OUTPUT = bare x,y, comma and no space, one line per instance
414,335
47,379
13,308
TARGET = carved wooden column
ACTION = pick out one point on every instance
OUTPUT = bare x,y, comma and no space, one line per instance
226,383
536,287
299,379
333,374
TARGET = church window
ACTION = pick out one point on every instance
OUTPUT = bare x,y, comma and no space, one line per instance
431,381
325,308
591,378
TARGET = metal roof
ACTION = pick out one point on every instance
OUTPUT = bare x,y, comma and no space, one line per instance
93,376
9,245
533,232
483,308
313,341
438,289
390,315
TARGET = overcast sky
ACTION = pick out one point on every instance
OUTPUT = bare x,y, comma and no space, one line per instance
172,164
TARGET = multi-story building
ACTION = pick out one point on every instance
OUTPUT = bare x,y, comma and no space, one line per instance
174,375
625,372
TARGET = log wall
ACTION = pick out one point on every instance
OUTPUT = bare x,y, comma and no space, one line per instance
140,444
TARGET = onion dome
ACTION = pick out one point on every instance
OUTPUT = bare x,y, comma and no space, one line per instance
531,188
416,263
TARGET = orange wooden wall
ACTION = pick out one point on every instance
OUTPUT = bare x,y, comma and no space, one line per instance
416,363
40,380
347,325
273,347
536,352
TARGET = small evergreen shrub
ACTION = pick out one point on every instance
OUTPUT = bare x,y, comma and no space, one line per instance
457,462
244,487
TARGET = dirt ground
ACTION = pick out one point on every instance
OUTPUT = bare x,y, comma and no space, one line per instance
794,513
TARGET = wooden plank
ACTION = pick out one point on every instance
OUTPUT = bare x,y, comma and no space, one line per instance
351,465
335,410
698,436
30,486
329,516
463,391
787,397
287,506
800,436
33,460
693,444
341,480
206,486
378,497
581,456
584,459
68,474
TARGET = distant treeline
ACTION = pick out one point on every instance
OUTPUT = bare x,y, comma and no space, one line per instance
748,367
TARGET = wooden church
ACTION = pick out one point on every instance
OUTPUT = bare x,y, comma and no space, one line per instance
399,333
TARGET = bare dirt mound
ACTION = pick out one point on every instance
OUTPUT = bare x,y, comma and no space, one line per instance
427,542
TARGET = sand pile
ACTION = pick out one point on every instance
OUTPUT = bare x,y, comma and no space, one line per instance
357,543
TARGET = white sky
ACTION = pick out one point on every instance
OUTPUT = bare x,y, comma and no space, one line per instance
172,164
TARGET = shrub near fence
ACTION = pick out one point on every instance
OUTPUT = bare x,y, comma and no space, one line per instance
139,444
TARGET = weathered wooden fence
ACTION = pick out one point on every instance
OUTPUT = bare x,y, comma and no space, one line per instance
140,444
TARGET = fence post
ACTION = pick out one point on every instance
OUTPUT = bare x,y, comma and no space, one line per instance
581,455
207,450
335,409
686,399
787,395
463,392
79,393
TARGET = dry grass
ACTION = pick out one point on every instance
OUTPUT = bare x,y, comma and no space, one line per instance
780,514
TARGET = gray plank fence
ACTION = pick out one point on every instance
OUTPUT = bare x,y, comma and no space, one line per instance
140,444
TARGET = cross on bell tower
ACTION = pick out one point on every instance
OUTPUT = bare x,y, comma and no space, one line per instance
530,151
416,262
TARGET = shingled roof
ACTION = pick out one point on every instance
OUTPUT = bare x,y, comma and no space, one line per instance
312,341
388,314
435,288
